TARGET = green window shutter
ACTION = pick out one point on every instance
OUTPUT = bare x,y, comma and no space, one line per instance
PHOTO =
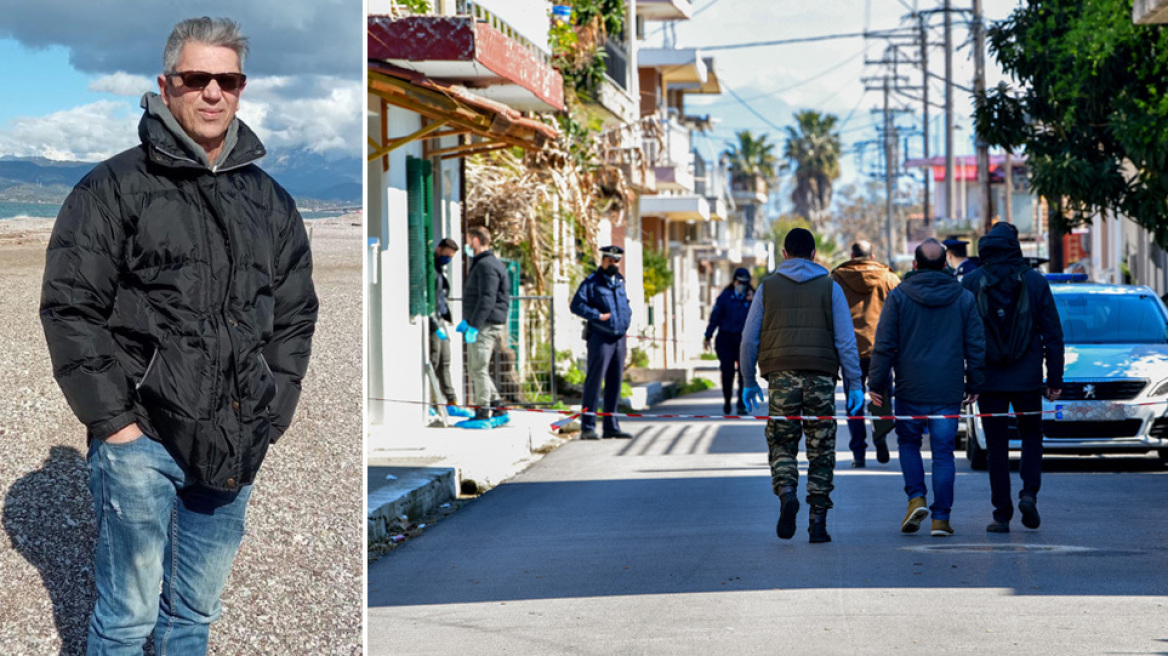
428,222
419,235
513,272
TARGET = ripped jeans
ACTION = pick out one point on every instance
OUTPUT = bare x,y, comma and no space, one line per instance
155,533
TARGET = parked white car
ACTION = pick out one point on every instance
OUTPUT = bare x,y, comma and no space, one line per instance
1116,357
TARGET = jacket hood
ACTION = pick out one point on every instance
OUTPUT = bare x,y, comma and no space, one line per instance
931,288
1000,246
160,131
801,270
862,276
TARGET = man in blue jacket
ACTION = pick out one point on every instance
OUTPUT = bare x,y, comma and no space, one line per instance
930,333
601,299
728,317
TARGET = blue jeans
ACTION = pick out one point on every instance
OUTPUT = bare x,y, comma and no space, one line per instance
154,530
942,436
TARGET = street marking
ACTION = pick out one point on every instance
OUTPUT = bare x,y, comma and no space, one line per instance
998,548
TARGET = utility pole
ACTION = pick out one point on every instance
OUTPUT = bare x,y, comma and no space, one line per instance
986,200
925,107
889,142
1008,210
950,183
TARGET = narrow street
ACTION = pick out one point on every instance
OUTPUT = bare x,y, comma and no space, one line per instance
666,544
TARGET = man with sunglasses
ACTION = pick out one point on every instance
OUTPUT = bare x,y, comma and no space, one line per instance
179,310
602,301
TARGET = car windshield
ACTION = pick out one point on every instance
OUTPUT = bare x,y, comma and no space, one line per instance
1111,318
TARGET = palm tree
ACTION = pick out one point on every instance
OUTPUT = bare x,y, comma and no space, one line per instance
752,157
814,150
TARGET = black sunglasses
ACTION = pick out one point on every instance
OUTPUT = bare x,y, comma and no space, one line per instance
200,79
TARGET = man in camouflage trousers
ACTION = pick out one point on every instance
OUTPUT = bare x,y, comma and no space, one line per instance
799,334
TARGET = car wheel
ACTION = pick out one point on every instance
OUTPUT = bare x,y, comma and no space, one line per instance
1163,455
973,450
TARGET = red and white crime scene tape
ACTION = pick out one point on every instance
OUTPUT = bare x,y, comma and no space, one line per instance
573,414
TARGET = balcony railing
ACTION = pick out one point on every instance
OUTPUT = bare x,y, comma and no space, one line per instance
616,62
482,15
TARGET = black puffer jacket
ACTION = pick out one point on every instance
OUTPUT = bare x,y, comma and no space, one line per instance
486,294
181,298
1001,257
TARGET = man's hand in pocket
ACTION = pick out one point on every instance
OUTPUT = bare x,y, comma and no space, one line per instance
125,436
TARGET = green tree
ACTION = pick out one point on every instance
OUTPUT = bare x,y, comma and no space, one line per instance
1091,113
657,274
752,157
813,148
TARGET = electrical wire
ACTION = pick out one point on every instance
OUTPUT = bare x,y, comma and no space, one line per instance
796,85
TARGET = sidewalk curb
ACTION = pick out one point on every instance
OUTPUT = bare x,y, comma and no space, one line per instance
415,492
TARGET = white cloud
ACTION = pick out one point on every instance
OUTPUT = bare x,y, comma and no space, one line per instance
87,133
123,84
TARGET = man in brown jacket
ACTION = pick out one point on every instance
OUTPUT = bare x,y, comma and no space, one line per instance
866,284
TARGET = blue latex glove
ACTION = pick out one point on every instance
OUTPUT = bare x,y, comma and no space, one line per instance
441,333
472,335
855,402
462,327
752,397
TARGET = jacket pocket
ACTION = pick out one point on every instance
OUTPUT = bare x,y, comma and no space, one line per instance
149,369
270,387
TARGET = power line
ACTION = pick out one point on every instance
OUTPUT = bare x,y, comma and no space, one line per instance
806,39
751,109
796,85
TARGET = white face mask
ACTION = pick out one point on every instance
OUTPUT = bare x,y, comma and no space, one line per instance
469,251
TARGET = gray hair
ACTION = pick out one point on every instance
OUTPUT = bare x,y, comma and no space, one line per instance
211,31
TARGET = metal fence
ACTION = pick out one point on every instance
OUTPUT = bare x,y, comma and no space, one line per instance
523,364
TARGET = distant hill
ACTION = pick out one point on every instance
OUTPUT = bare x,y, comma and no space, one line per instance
303,173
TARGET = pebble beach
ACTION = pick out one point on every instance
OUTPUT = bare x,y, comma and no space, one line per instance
297,584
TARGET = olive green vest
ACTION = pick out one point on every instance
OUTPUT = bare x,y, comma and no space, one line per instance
798,331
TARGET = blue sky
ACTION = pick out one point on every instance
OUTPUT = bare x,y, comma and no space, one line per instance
74,73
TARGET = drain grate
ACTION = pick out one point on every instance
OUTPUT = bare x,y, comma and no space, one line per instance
998,548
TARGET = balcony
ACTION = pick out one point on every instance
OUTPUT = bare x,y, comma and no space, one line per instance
749,190
477,51
664,10
687,207
669,152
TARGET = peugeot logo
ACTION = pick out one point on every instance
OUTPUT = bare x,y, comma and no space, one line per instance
1088,391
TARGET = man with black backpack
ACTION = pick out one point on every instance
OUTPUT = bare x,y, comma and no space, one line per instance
1022,330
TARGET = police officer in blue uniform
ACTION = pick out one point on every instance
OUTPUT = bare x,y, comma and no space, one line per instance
727,318
602,301
958,257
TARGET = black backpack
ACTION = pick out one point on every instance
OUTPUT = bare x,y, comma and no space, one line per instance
1004,304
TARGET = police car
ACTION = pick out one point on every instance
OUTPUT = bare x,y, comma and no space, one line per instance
1115,390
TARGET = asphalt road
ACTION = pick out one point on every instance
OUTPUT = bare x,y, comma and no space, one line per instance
666,544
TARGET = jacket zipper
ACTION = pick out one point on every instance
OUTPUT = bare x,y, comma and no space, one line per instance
149,368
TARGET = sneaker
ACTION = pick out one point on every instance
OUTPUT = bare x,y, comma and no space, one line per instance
942,529
1028,506
881,442
998,527
917,512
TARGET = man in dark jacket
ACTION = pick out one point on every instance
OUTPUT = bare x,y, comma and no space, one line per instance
601,299
179,310
866,284
439,335
486,300
931,335
728,317
1022,331
799,334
